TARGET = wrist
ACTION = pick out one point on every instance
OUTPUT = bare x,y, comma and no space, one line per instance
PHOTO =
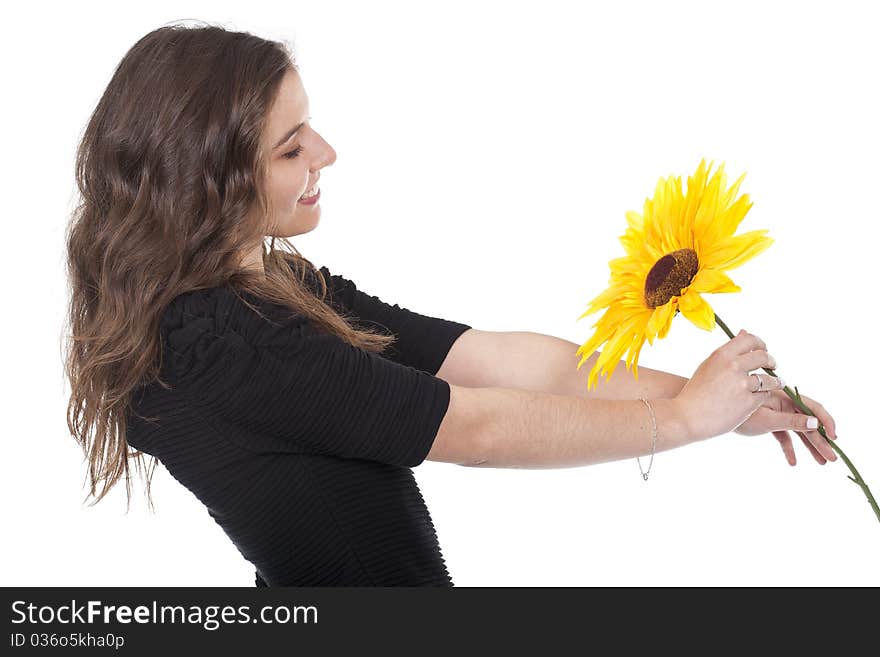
673,428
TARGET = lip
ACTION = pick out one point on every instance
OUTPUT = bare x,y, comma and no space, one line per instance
311,201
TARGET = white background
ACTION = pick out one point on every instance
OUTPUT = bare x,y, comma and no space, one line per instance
487,154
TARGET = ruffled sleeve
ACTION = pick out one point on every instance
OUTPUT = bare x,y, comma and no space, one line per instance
290,388
192,323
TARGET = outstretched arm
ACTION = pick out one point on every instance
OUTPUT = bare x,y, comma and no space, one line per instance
544,363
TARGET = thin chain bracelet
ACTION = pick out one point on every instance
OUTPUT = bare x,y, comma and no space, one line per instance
653,439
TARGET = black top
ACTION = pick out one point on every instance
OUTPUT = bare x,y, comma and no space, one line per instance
300,445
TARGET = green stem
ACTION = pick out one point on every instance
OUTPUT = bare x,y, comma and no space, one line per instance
796,398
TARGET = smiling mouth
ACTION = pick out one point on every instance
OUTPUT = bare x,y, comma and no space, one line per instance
310,200
312,191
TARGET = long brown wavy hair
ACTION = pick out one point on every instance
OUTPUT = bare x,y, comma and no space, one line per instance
171,174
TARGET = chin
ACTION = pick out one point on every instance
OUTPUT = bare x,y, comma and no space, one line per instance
298,226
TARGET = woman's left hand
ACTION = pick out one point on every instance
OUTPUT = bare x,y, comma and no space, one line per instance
776,411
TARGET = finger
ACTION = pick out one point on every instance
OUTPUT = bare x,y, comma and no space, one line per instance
823,446
799,422
816,455
813,435
783,420
824,416
767,382
787,448
744,342
758,358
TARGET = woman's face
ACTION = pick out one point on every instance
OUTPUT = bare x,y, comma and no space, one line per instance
295,160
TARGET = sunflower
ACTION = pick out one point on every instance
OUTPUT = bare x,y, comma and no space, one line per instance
676,251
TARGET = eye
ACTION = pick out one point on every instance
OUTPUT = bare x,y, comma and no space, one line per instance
292,154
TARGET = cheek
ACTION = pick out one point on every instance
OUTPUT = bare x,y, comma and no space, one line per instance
291,187
288,183
293,195
284,191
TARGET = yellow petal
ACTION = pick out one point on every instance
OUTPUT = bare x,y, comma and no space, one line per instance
730,194
634,219
659,320
603,299
635,357
730,219
714,281
706,220
734,251
695,308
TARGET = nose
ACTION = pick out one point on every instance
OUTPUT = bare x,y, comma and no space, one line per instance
327,157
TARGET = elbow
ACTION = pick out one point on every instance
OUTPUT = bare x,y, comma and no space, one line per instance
480,449
475,453
465,434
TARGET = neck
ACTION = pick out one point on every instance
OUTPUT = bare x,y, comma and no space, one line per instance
254,260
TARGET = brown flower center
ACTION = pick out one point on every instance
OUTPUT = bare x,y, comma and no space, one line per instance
669,275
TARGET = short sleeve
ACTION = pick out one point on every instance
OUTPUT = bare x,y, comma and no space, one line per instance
316,395
423,342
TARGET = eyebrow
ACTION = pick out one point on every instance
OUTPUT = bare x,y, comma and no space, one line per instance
289,134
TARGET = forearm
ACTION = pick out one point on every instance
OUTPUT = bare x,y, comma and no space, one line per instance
547,363
652,384
531,429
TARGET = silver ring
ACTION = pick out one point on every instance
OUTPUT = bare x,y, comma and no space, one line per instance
760,382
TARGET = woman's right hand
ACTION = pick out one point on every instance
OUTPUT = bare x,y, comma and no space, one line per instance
719,396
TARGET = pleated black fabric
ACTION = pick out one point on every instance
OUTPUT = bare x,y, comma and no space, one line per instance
299,445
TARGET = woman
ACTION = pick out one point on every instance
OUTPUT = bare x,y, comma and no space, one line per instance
290,403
